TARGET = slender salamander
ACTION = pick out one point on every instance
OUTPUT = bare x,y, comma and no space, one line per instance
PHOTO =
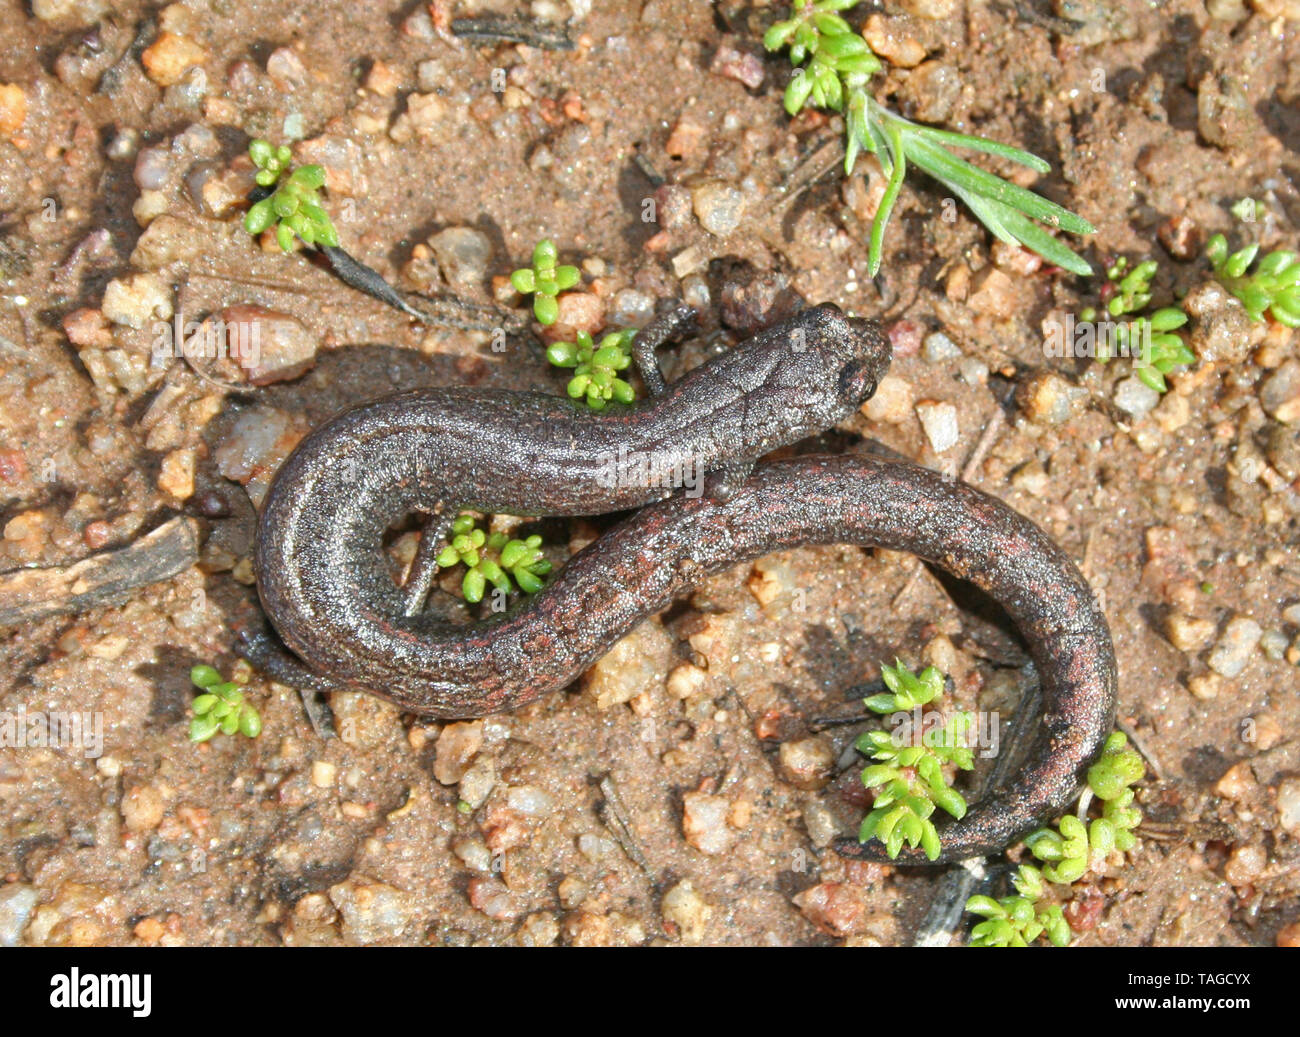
328,592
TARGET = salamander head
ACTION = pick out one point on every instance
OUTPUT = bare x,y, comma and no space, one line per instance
825,366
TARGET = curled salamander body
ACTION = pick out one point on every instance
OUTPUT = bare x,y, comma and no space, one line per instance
326,589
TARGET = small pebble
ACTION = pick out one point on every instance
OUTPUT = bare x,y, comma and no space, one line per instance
892,402
137,300
372,912
170,56
687,910
1235,646
1279,395
807,763
530,800
939,347
1288,805
457,744
718,206
1274,644
1187,633
993,294
704,822
463,255
1134,397
13,109
17,901
731,62
1049,399
1245,864
270,346
939,420
1237,783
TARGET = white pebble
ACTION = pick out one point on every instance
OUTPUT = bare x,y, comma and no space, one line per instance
1134,397
939,420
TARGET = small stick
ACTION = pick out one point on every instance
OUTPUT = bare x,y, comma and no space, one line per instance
615,816
107,578
493,29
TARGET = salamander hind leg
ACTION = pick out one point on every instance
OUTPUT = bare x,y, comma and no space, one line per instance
666,327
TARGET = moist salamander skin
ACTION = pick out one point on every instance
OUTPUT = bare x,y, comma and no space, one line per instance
325,586
320,571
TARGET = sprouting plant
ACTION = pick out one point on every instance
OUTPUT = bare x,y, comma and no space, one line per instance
220,707
293,207
840,58
1151,340
908,778
496,559
595,367
840,64
1131,288
1018,921
1274,287
544,281
1069,851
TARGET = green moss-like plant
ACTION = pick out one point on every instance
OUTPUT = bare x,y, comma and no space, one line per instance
221,706
596,367
293,206
544,280
1272,290
909,779
1070,850
503,562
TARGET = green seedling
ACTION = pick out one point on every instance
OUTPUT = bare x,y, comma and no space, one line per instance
544,280
293,207
596,366
1150,339
1069,851
494,559
1272,290
909,779
220,706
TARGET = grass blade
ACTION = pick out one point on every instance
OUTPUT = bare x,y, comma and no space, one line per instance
952,170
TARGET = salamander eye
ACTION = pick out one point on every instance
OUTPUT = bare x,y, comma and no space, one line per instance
856,383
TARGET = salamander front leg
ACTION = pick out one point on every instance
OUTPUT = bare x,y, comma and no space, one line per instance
268,655
666,327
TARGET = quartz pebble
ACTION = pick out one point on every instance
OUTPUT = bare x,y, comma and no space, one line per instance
718,206
688,911
1279,395
1135,397
137,299
892,402
1235,646
939,347
939,420
704,822
372,912
1288,805
463,255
